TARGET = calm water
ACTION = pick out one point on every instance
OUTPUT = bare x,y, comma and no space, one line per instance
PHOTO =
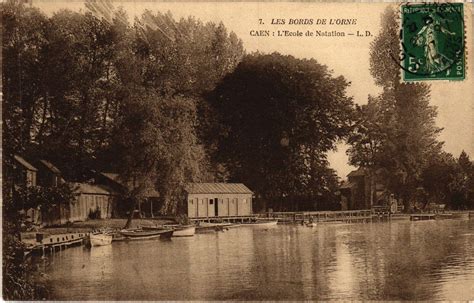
431,260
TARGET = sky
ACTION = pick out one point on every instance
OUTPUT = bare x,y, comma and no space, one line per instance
347,56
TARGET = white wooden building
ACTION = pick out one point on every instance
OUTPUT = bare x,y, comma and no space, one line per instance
206,200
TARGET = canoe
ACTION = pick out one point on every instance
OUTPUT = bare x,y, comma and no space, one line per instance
139,234
263,223
100,239
208,224
178,230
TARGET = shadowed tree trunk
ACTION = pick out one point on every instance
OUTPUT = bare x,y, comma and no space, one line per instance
131,211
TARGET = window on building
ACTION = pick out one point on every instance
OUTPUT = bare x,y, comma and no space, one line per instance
191,201
211,201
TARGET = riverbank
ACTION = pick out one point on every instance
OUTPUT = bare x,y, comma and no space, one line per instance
282,217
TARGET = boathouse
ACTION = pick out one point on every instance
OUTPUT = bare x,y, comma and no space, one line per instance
25,175
206,200
92,201
145,208
49,174
356,191
24,172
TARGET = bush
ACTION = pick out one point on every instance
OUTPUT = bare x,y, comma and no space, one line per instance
94,214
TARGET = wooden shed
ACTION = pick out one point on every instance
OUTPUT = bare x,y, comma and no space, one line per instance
25,173
206,200
48,174
91,198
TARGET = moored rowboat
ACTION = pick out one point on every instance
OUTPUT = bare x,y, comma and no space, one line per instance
100,239
178,230
184,231
139,234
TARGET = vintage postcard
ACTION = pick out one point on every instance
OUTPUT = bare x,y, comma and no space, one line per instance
250,151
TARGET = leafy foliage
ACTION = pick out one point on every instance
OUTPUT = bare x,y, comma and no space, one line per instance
396,131
91,76
277,117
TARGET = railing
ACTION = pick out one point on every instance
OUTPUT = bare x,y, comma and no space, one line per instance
322,216
242,218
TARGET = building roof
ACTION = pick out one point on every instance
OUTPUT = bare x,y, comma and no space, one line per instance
114,177
25,163
217,188
357,173
85,188
51,167
346,184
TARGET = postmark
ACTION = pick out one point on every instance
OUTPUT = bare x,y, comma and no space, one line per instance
432,41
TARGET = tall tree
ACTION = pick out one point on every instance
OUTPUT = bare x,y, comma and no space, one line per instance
23,31
169,66
410,133
277,117
462,186
366,139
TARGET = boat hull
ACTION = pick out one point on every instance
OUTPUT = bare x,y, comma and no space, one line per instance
188,231
100,239
146,234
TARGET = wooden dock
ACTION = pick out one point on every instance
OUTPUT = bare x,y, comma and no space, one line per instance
227,219
45,243
349,216
421,217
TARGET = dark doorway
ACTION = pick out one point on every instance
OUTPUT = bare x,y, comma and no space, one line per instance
216,207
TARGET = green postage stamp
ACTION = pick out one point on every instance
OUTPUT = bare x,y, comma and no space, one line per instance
432,37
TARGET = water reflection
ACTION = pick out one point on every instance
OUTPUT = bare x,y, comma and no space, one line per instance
391,261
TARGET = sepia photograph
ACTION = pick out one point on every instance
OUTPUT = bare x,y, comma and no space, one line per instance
237,150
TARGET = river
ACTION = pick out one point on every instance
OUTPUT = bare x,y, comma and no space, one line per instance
428,260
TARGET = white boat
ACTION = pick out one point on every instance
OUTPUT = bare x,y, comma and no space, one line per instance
184,231
100,239
264,223
208,224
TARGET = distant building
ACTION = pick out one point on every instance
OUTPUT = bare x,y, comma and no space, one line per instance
24,173
149,207
91,199
355,192
218,200
48,174
24,176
